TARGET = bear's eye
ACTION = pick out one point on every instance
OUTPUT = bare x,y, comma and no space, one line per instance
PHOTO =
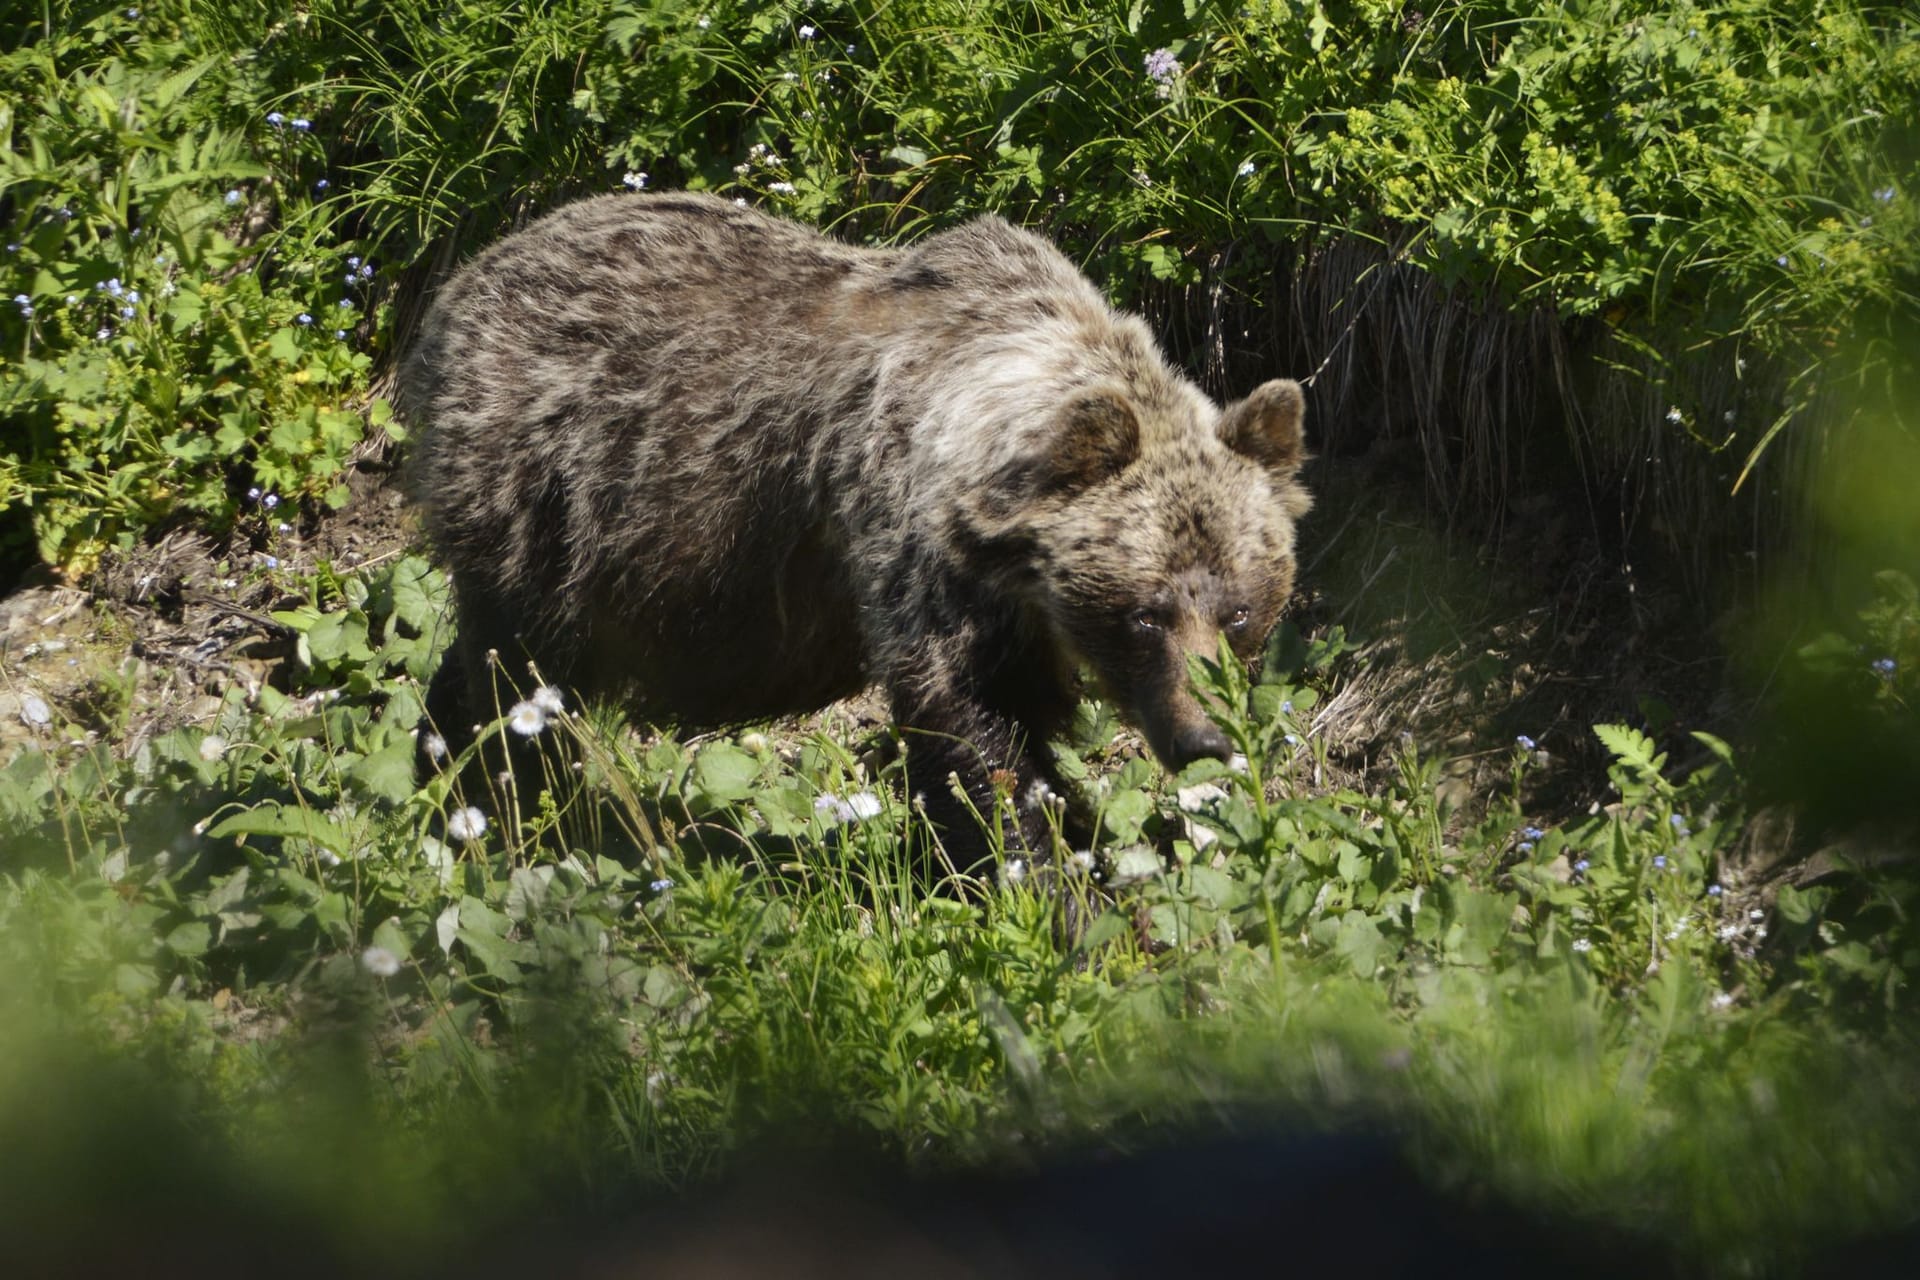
1239,618
1146,620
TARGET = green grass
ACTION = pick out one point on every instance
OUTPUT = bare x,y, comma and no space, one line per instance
693,952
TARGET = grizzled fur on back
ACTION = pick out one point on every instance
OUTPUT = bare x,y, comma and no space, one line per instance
716,467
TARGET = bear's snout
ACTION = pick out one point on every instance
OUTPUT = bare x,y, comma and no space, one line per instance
1199,742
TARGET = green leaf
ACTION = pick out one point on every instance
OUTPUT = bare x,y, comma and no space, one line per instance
386,774
1125,812
286,821
190,939
1628,745
723,774
1360,943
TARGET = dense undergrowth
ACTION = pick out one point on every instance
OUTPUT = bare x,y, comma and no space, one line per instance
259,937
211,209
695,948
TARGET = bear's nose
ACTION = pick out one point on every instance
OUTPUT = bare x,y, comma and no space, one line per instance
1199,742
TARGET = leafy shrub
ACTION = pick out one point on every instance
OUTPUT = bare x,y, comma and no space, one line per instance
1726,170
179,335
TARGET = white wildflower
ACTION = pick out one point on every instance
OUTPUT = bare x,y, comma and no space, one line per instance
380,962
783,188
1246,169
864,804
212,747
526,718
549,700
635,181
467,824
435,746
1582,945
1015,871
833,808
1080,862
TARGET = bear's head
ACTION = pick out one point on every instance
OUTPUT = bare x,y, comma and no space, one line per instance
1154,525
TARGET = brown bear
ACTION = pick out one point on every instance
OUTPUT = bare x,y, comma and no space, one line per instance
717,467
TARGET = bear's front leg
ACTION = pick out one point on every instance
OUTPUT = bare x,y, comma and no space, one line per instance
980,772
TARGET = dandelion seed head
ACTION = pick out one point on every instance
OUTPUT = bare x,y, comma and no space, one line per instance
435,746
526,718
379,962
467,824
833,808
549,700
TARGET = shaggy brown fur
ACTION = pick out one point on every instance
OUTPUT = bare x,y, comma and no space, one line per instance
716,467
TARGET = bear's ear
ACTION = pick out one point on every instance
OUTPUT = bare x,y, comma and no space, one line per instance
1266,427
1098,437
